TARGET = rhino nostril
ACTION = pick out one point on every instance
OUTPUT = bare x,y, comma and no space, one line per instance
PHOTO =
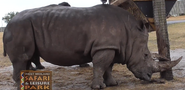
149,75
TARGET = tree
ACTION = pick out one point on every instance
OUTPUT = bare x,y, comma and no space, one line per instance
9,16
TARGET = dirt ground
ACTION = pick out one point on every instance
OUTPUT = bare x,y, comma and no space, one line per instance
76,78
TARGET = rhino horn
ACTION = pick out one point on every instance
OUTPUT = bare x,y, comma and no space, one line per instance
156,56
165,65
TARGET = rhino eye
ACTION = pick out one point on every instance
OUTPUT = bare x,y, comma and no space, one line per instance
146,55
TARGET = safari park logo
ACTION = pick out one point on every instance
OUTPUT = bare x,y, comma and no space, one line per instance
36,80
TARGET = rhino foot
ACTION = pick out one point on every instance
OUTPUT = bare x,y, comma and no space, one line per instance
32,68
84,65
18,87
40,67
111,82
98,85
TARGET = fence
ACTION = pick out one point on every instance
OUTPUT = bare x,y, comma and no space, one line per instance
178,8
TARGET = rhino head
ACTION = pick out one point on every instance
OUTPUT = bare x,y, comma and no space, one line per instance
141,62
146,67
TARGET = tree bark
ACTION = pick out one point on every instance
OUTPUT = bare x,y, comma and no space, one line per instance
162,34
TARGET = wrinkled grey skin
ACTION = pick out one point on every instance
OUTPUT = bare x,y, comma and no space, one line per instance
67,4
66,36
36,59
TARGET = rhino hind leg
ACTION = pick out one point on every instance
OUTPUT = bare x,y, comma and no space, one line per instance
36,61
17,68
38,64
101,63
32,68
108,79
20,64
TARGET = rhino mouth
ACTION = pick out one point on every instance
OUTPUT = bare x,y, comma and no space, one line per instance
145,77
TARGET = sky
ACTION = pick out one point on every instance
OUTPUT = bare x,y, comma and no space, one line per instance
7,6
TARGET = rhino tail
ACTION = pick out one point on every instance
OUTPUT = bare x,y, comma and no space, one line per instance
4,53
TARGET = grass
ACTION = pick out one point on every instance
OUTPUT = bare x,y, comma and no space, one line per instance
176,37
3,60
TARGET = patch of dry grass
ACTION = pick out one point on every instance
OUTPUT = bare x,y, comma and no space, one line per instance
176,37
3,60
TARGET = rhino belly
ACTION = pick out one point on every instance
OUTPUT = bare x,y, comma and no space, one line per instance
65,58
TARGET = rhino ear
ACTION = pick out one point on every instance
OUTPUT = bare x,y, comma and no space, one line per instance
147,25
143,26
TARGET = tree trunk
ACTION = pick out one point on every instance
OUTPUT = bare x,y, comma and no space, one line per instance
162,34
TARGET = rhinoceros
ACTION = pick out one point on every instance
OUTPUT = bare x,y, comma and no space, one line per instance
102,34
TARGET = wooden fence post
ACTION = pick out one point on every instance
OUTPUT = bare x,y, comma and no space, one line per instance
162,34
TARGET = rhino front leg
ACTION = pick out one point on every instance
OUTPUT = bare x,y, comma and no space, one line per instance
101,62
108,79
